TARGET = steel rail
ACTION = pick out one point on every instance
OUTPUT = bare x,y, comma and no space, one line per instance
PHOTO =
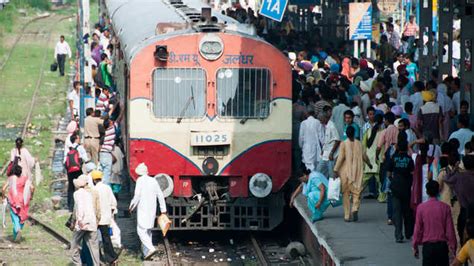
258,250
169,255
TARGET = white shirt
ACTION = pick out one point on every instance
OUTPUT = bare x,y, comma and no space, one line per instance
331,135
464,135
80,149
84,211
74,97
62,48
309,141
108,203
147,191
104,41
456,50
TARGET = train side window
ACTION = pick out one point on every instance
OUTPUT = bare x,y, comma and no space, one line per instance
179,92
243,92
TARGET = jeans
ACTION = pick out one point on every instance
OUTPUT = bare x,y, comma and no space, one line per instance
70,188
61,61
326,168
402,217
105,159
435,254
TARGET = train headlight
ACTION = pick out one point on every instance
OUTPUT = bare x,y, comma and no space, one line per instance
260,185
211,47
166,184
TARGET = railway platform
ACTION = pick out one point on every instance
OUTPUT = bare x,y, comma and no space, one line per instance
368,242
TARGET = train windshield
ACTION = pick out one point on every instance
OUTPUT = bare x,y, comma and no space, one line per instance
179,92
243,92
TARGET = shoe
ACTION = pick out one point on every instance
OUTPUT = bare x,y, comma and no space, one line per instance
389,222
399,240
150,255
347,220
355,216
370,196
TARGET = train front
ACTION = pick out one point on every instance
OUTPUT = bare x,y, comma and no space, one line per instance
210,115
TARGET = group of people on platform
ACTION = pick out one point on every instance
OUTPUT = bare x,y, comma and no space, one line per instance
379,128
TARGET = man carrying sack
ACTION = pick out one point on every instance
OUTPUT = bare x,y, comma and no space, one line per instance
147,190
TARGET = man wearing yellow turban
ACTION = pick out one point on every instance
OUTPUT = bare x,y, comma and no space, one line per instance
430,117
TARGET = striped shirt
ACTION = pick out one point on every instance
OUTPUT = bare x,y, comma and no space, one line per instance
109,139
410,29
103,102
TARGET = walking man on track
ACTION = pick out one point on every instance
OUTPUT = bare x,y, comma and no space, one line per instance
108,206
60,51
85,227
147,190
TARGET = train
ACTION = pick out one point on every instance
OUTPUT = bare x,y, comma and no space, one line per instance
207,108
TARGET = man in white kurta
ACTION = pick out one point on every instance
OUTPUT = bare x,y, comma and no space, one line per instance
309,141
147,190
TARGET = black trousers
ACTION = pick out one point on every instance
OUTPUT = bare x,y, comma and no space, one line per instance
70,188
402,216
109,255
61,61
435,254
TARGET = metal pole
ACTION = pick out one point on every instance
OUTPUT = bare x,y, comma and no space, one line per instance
356,48
368,50
81,64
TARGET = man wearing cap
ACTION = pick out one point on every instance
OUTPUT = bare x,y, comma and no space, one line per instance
85,227
147,190
108,206
430,117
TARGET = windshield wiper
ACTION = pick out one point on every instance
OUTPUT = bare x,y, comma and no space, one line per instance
185,108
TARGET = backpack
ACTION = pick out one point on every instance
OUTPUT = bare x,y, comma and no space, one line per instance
73,161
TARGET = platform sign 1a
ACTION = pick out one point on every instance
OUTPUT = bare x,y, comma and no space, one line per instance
273,9
360,21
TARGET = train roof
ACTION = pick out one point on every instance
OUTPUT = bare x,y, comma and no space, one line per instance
135,21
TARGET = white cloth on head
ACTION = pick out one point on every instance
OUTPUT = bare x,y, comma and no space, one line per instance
141,169
147,190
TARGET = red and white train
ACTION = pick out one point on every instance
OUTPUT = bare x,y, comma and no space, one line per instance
208,110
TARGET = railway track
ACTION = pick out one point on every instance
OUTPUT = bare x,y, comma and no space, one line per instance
224,248
35,221
18,38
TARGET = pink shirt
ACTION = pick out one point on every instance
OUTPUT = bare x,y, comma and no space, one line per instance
434,224
389,136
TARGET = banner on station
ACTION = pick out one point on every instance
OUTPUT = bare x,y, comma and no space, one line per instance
360,21
273,9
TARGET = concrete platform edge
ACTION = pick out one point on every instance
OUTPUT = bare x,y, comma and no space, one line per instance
301,209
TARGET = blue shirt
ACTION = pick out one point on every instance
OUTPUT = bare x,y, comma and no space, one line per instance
356,134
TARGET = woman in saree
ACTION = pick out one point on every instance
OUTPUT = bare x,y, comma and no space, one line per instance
314,186
18,189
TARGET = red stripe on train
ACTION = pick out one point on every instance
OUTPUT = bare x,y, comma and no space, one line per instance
272,158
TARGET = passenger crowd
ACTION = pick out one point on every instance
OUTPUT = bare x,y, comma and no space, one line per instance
372,123
369,121
94,167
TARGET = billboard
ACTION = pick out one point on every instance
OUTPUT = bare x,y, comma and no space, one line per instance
360,21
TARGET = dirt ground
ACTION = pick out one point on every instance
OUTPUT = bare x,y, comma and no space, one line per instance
36,248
